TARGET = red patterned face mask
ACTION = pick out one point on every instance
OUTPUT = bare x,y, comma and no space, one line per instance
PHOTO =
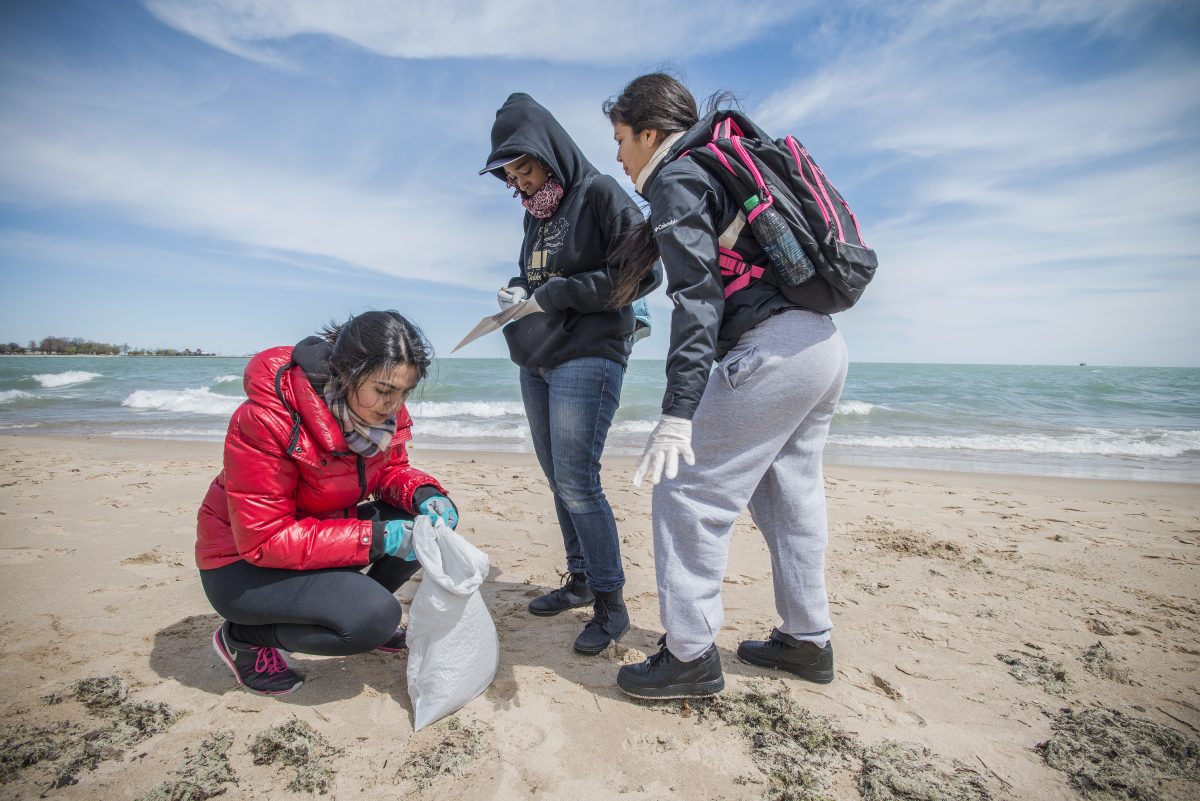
544,202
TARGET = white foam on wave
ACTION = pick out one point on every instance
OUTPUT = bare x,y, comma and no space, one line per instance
14,426
1096,442
854,408
188,434
51,380
455,430
228,379
632,427
438,409
192,401
10,395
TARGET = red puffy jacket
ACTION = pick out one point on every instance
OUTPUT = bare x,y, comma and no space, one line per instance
289,492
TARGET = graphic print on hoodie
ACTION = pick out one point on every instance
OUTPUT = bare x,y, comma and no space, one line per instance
564,259
552,234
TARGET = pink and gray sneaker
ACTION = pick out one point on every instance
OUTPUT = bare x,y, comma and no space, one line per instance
258,668
396,643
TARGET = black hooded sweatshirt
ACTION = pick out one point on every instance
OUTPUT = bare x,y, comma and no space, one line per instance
564,259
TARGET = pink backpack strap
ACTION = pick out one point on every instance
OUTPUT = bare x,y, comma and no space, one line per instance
732,266
726,129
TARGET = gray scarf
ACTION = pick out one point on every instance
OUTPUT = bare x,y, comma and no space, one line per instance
362,437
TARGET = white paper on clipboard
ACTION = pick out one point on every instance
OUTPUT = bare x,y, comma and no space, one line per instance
487,325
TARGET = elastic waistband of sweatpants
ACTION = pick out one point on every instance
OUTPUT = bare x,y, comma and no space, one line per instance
785,309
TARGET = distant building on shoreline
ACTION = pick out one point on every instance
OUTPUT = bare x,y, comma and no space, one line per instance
77,346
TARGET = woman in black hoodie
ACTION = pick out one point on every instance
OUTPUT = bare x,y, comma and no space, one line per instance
572,344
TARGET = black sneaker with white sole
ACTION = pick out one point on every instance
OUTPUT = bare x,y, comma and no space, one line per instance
663,676
258,668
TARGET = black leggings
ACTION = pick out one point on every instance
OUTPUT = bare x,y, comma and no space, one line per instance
331,612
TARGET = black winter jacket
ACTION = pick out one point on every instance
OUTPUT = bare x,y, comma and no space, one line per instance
689,210
564,259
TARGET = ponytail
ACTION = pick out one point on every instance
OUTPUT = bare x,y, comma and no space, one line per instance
633,255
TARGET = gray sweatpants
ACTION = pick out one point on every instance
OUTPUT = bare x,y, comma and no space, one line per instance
757,434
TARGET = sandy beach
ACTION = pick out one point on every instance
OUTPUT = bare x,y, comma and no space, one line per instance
970,611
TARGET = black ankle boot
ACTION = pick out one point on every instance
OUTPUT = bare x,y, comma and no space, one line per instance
802,658
610,621
573,593
663,676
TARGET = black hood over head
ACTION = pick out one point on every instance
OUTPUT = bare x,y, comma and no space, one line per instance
524,127
312,354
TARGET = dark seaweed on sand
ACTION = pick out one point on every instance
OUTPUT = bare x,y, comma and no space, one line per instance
1030,668
457,747
797,750
74,747
1106,754
205,772
297,745
896,771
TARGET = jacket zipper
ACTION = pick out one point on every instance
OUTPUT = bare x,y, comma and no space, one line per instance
293,446
362,477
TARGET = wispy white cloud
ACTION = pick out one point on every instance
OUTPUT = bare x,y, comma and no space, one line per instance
571,31
1006,183
62,151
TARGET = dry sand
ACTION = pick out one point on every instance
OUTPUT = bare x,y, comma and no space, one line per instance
938,580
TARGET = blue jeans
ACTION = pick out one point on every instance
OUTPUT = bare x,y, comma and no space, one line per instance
570,408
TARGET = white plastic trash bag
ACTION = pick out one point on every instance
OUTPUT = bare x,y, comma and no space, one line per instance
453,649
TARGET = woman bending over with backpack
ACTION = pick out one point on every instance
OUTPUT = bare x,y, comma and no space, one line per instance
749,433
572,344
317,487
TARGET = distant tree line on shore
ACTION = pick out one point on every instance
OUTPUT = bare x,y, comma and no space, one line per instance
77,346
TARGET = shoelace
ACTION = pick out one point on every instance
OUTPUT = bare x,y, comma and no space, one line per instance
663,655
269,661
600,615
565,582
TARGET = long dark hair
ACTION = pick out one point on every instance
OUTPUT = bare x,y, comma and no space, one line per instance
653,102
371,341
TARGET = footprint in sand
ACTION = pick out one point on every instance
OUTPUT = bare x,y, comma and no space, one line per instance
156,557
18,554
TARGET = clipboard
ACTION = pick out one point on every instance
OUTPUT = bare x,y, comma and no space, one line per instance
489,324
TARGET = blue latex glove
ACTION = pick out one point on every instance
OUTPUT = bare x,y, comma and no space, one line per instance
398,539
439,507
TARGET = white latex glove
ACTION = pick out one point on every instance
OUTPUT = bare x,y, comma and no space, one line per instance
510,296
669,440
527,308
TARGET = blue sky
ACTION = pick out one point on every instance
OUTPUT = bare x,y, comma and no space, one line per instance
230,174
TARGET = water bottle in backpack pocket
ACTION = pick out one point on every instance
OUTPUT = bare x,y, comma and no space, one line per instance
791,264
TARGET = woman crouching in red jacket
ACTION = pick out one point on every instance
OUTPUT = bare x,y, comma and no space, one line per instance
317,486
